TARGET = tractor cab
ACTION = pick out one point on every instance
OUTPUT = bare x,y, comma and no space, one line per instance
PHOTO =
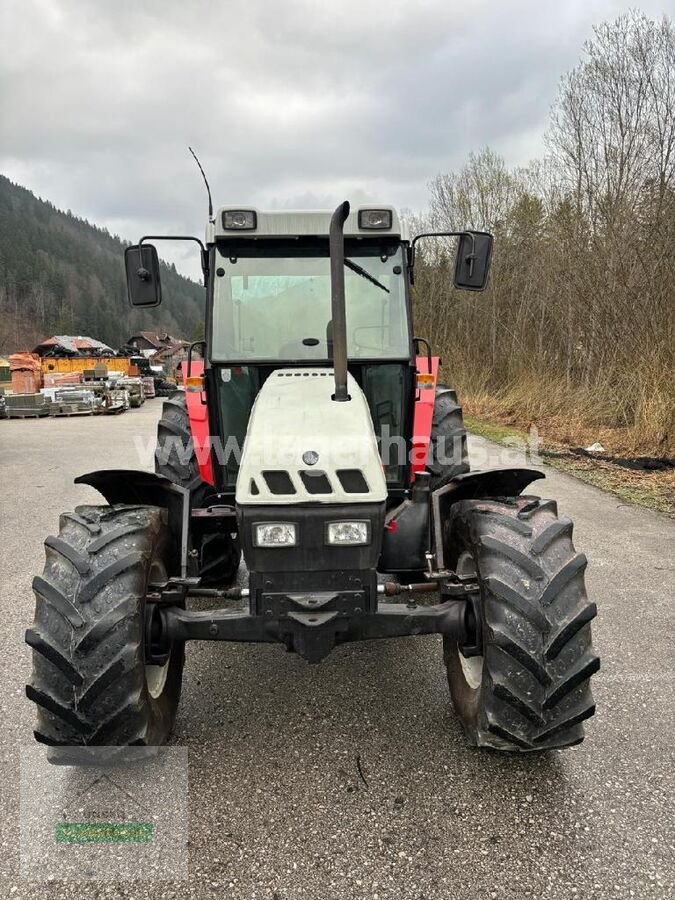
271,303
271,308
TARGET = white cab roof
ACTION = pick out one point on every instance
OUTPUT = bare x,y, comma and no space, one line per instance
298,222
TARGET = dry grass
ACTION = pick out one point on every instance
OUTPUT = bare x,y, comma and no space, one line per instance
581,416
652,489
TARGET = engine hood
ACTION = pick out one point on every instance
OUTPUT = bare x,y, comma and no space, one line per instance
303,447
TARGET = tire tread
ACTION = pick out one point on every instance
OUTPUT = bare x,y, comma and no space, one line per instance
88,679
538,658
447,423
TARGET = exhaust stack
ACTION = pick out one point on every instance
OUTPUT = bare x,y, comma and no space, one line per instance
336,246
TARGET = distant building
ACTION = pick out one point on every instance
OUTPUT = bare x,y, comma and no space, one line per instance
161,349
149,342
73,345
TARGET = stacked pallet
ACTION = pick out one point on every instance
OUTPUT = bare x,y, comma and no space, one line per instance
73,402
97,374
27,406
134,386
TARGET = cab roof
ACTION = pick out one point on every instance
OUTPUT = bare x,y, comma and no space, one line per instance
299,222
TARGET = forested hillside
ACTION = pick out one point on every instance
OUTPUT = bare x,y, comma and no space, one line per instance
61,275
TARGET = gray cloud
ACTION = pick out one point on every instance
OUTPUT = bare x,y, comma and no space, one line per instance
297,103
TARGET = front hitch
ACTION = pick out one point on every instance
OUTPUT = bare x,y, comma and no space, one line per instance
312,634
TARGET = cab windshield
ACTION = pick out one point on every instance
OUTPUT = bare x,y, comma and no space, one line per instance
272,301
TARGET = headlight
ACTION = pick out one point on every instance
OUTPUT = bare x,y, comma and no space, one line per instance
275,534
376,219
347,533
239,219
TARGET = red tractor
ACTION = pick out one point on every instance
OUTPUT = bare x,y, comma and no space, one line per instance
312,437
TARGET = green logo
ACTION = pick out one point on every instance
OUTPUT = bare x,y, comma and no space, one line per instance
103,832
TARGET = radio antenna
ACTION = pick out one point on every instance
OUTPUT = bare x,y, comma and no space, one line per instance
208,189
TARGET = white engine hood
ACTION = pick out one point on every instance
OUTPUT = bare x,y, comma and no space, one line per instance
293,416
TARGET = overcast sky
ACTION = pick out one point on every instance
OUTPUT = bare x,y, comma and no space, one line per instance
289,103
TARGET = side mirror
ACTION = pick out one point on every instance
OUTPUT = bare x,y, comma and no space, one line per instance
473,260
142,265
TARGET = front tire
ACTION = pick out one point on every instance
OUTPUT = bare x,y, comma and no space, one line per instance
530,689
90,680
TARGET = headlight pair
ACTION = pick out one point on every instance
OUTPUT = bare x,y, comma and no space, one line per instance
285,534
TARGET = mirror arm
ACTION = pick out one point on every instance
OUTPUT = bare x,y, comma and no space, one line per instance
416,343
202,344
426,234
181,237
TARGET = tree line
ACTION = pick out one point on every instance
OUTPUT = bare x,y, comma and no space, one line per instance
61,275
577,322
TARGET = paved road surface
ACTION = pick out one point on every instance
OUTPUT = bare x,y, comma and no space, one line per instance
278,807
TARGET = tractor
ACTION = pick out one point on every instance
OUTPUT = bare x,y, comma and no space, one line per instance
313,438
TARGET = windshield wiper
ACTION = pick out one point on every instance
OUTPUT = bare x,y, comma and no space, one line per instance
355,267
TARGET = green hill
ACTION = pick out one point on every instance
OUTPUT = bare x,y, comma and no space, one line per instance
61,275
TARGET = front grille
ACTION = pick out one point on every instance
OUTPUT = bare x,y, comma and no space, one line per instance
353,481
316,482
278,481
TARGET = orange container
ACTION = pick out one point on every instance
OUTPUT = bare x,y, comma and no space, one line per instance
54,380
24,382
26,374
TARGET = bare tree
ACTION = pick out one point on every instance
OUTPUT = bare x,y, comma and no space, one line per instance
578,319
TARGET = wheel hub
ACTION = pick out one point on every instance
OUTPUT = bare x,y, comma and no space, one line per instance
157,648
471,652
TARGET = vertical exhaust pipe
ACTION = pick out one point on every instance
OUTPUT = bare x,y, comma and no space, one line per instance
336,246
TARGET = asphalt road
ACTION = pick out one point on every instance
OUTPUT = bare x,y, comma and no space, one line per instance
352,779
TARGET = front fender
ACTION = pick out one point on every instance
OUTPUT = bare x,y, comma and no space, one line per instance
476,486
147,489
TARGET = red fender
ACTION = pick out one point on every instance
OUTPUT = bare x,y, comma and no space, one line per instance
425,399
198,414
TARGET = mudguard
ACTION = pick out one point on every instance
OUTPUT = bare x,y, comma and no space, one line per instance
476,486
198,414
425,399
147,489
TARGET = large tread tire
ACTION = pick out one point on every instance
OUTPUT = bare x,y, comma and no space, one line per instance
175,456
219,554
448,453
89,679
533,691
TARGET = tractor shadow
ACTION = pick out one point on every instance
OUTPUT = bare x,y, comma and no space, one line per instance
370,714
282,750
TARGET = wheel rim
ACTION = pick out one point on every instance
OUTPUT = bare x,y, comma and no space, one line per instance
472,666
156,675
